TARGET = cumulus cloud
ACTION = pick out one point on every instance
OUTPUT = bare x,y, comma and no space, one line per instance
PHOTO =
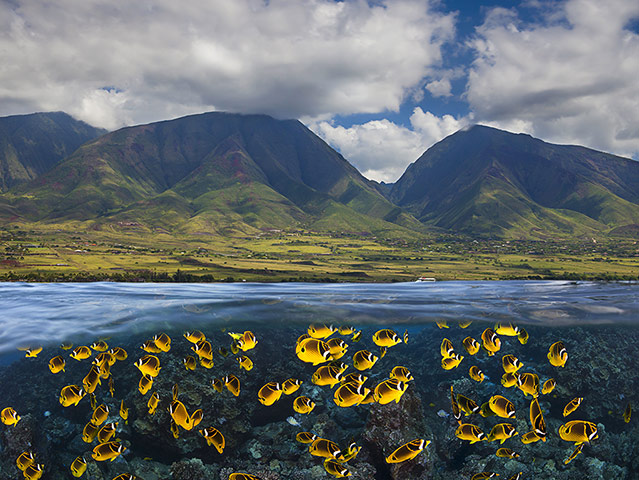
381,149
569,78
123,62
439,88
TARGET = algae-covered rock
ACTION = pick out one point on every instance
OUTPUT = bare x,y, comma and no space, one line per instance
93,471
392,425
191,469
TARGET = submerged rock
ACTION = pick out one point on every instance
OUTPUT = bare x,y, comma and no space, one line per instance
191,469
392,425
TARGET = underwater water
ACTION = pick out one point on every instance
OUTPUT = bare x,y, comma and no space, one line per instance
596,323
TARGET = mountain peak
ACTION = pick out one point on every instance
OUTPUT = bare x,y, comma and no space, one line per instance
215,171
482,180
480,130
32,144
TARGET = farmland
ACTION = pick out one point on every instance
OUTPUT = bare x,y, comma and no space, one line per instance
126,252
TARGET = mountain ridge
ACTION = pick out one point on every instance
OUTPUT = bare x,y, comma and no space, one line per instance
32,144
178,163
556,189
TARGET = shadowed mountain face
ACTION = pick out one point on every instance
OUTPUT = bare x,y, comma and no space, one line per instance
214,172
490,182
31,145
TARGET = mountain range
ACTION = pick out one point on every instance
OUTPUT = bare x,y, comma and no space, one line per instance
226,174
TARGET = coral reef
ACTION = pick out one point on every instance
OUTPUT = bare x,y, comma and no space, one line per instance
191,469
601,367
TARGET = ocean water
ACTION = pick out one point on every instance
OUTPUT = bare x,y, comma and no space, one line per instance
598,324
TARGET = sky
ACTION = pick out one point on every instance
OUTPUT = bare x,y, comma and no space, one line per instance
379,80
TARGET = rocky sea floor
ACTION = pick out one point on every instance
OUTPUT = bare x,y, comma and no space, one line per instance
601,368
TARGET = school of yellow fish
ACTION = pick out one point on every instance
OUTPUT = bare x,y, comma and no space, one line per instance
577,432
314,347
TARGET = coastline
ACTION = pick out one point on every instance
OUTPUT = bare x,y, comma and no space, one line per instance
184,277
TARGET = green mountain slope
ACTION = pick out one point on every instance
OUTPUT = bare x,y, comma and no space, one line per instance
490,182
229,174
214,172
31,145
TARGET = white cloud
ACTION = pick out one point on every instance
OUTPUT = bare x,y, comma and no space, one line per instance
570,79
432,128
102,107
381,149
288,58
439,88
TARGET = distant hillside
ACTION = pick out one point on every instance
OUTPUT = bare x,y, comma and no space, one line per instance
31,145
209,173
490,182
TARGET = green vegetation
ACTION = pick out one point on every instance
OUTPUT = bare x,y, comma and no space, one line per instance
128,252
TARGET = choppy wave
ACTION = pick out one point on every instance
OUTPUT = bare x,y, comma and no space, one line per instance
48,313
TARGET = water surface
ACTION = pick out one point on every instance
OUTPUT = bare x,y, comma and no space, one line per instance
52,312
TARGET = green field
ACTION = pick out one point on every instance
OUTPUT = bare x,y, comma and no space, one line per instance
128,252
